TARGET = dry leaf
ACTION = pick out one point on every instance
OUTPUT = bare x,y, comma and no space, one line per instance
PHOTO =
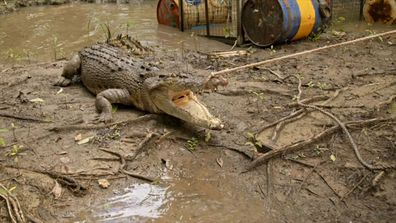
83,141
78,137
220,161
36,100
60,91
103,183
57,190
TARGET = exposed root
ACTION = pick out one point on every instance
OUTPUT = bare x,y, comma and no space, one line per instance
386,103
377,178
280,125
300,145
292,115
25,118
239,92
123,166
356,185
13,207
92,127
66,181
344,129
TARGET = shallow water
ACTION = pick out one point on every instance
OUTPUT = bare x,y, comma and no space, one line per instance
55,32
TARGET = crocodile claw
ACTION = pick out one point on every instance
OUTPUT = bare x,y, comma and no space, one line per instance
63,82
104,117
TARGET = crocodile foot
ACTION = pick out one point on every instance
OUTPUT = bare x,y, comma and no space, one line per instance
63,82
104,117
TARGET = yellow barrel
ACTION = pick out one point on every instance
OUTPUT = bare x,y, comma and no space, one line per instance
273,21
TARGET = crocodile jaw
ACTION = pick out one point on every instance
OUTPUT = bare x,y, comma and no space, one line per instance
185,106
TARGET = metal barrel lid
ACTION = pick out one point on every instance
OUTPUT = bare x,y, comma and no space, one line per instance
262,21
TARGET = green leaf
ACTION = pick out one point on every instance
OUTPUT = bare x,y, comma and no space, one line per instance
114,108
2,142
208,136
3,130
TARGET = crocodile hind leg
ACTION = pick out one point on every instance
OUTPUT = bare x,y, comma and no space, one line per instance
107,97
71,69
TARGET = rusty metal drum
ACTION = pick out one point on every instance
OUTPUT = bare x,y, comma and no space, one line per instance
267,22
168,12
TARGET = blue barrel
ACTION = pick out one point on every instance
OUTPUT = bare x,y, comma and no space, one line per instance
266,22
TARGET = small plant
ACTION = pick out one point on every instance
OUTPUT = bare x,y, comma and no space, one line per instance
192,144
253,141
15,149
314,37
106,31
371,32
258,95
227,32
322,86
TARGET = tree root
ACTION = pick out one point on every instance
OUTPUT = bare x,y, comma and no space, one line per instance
66,181
300,145
13,207
25,118
123,164
101,126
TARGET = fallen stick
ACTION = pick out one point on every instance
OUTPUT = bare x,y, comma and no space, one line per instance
353,189
302,53
13,207
344,129
7,115
300,145
92,127
123,164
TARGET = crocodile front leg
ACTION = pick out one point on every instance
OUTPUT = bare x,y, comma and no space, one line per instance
71,69
107,97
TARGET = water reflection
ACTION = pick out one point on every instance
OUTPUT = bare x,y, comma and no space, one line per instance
59,31
136,203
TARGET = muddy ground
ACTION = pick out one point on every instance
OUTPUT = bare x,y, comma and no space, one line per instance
54,174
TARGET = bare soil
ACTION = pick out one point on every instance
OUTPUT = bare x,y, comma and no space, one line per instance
55,176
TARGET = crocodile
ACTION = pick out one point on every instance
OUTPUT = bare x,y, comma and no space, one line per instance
116,76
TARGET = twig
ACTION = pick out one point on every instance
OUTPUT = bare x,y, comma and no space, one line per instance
239,92
327,183
90,127
309,100
338,91
7,115
14,208
274,73
269,177
69,182
280,125
123,164
340,106
300,145
248,154
377,178
344,129
143,144
312,170
302,53
294,114
386,103
353,189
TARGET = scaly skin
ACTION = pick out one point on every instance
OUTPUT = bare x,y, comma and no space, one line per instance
116,77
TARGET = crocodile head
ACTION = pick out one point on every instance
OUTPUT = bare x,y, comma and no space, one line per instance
175,96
